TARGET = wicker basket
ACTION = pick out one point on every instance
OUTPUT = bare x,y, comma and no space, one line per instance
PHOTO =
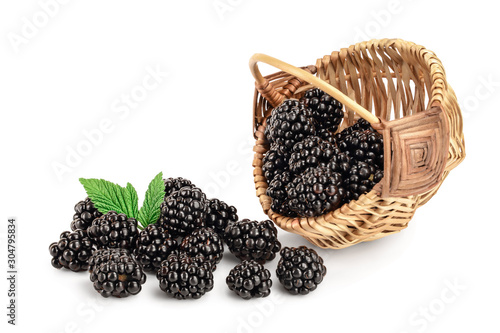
401,89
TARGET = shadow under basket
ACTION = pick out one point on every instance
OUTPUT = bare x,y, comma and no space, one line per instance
401,89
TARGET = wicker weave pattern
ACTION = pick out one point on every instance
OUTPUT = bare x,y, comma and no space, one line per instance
392,79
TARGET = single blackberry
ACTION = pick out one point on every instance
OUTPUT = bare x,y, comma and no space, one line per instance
119,276
204,241
175,184
105,255
300,270
249,279
184,277
310,152
340,162
315,192
184,211
154,244
362,178
277,192
361,142
219,215
326,110
274,162
72,251
114,230
289,123
85,213
253,240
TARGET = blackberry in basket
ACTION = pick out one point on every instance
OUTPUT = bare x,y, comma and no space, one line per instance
120,276
204,241
184,211
275,162
255,240
249,279
277,192
85,213
175,184
219,215
289,123
362,178
310,152
300,270
72,251
154,244
315,192
185,277
326,110
114,230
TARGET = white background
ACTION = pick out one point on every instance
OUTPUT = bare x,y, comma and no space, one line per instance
69,75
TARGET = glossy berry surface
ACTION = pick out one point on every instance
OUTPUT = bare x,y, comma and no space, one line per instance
154,245
249,279
85,213
105,255
219,215
175,184
206,242
72,251
113,230
326,110
310,152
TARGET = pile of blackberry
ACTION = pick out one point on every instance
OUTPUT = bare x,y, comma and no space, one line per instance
310,167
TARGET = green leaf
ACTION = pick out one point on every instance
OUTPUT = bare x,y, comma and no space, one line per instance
108,196
150,210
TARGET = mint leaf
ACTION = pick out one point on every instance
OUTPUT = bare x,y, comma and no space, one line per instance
108,196
150,210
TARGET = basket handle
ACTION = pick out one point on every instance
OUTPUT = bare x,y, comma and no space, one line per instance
308,77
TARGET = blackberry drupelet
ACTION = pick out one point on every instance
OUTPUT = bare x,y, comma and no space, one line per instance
362,178
105,255
184,211
72,251
315,192
300,270
276,190
219,215
289,123
310,152
184,277
249,279
204,241
119,276
85,213
175,184
253,240
326,110
154,245
114,230
274,162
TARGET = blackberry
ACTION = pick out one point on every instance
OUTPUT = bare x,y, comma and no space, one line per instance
310,152
315,192
175,184
340,162
326,110
300,270
184,277
114,230
249,279
219,215
277,192
327,136
154,244
253,240
204,241
274,162
289,123
105,255
119,276
362,143
184,211
362,178
85,213
72,251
